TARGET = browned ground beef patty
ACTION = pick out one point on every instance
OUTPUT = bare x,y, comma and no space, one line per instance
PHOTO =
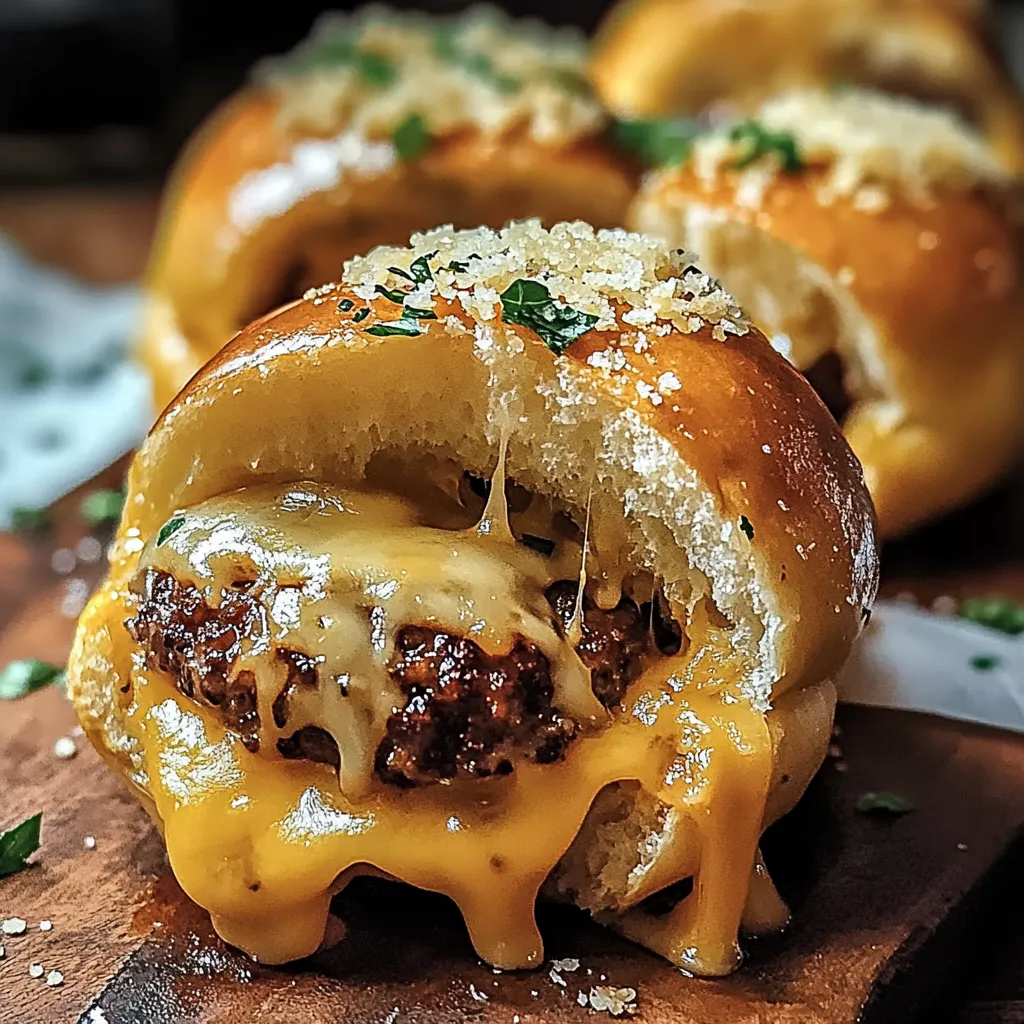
466,712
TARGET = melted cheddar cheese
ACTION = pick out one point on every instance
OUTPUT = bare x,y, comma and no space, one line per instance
264,843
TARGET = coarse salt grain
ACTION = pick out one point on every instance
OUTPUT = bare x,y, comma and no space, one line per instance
89,842
64,749
13,926
54,979
46,926
89,549
35,970
63,561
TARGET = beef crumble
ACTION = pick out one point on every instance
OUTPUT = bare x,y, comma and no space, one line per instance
197,644
466,713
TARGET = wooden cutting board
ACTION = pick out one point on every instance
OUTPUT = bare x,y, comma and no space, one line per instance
884,909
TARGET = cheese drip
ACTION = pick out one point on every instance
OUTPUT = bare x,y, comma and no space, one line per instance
264,843
338,574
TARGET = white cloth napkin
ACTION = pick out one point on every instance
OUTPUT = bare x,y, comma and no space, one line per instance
918,661
70,401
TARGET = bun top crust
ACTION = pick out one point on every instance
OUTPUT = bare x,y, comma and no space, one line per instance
651,392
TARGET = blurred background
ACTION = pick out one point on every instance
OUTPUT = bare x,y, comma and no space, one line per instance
108,90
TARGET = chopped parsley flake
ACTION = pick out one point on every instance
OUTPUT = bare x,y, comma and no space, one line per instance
539,544
399,328
999,613
474,63
337,49
18,844
360,314
171,527
102,507
345,305
658,143
747,527
391,294
20,678
419,269
30,520
529,304
759,142
420,314
984,662
375,69
883,803
411,137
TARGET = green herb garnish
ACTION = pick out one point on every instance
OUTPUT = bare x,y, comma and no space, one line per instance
30,520
374,69
887,803
31,375
391,294
529,304
171,527
984,662
334,49
360,314
747,527
541,545
478,64
999,613
419,270
411,137
345,305
18,844
399,328
759,141
420,314
656,143
102,507
20,678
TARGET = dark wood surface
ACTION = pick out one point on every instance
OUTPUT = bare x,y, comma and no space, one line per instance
894,920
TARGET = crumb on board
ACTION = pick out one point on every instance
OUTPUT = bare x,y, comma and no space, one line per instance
55,979
13,926
89,842
64,749
616,1001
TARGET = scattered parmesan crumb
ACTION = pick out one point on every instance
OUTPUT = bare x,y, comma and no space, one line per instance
54,979
556,977
961,847
871,144
13,926
581,998
64,749
605,273
480,997
498,74
89,842
35,970
46,926
570,964
616,1001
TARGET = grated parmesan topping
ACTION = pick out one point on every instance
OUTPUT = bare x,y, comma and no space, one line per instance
480,69
871,142
621,277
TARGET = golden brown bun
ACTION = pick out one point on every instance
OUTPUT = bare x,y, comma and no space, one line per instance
216,265
654,58
922,302
734,486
